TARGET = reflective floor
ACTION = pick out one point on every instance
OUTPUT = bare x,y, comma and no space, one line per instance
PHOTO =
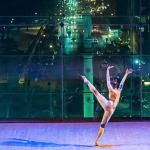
74,136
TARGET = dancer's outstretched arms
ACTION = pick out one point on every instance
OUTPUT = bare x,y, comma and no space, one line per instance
124,78
108,79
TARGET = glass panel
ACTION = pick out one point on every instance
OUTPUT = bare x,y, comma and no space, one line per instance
145,7
73,106
146,104
33,105
103,7
73,67
145,38
146,86
145,73
102,40
136,87
10,71
30,40
30,8
37,73
12,106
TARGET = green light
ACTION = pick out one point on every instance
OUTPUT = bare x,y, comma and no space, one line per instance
136,61
146,83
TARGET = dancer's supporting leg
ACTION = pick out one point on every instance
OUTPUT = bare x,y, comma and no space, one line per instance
101,99
107,106
107,115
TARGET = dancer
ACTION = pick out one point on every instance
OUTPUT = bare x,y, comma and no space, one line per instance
110,105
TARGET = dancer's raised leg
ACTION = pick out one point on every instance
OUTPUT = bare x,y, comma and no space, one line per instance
101,99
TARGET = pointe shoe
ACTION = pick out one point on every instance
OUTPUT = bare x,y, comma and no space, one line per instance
84,78
96,144
81,75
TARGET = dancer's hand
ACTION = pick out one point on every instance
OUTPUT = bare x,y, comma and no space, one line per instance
109,67
129,71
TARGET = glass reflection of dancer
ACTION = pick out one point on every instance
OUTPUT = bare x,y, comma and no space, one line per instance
110,105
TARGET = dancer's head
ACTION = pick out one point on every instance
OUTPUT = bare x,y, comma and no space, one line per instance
114,83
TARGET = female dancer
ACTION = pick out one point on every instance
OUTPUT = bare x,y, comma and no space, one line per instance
109,106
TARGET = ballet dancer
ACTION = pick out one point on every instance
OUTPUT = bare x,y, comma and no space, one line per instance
110,105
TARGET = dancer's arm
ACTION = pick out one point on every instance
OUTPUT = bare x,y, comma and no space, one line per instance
108,79
124,78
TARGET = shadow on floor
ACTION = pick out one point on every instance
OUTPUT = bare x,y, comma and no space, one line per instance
27,143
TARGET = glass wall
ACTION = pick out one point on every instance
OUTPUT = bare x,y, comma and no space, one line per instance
46,45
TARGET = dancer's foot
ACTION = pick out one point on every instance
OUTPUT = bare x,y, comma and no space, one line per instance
96,143
84,78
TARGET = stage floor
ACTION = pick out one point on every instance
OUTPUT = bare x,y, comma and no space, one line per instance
74,136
